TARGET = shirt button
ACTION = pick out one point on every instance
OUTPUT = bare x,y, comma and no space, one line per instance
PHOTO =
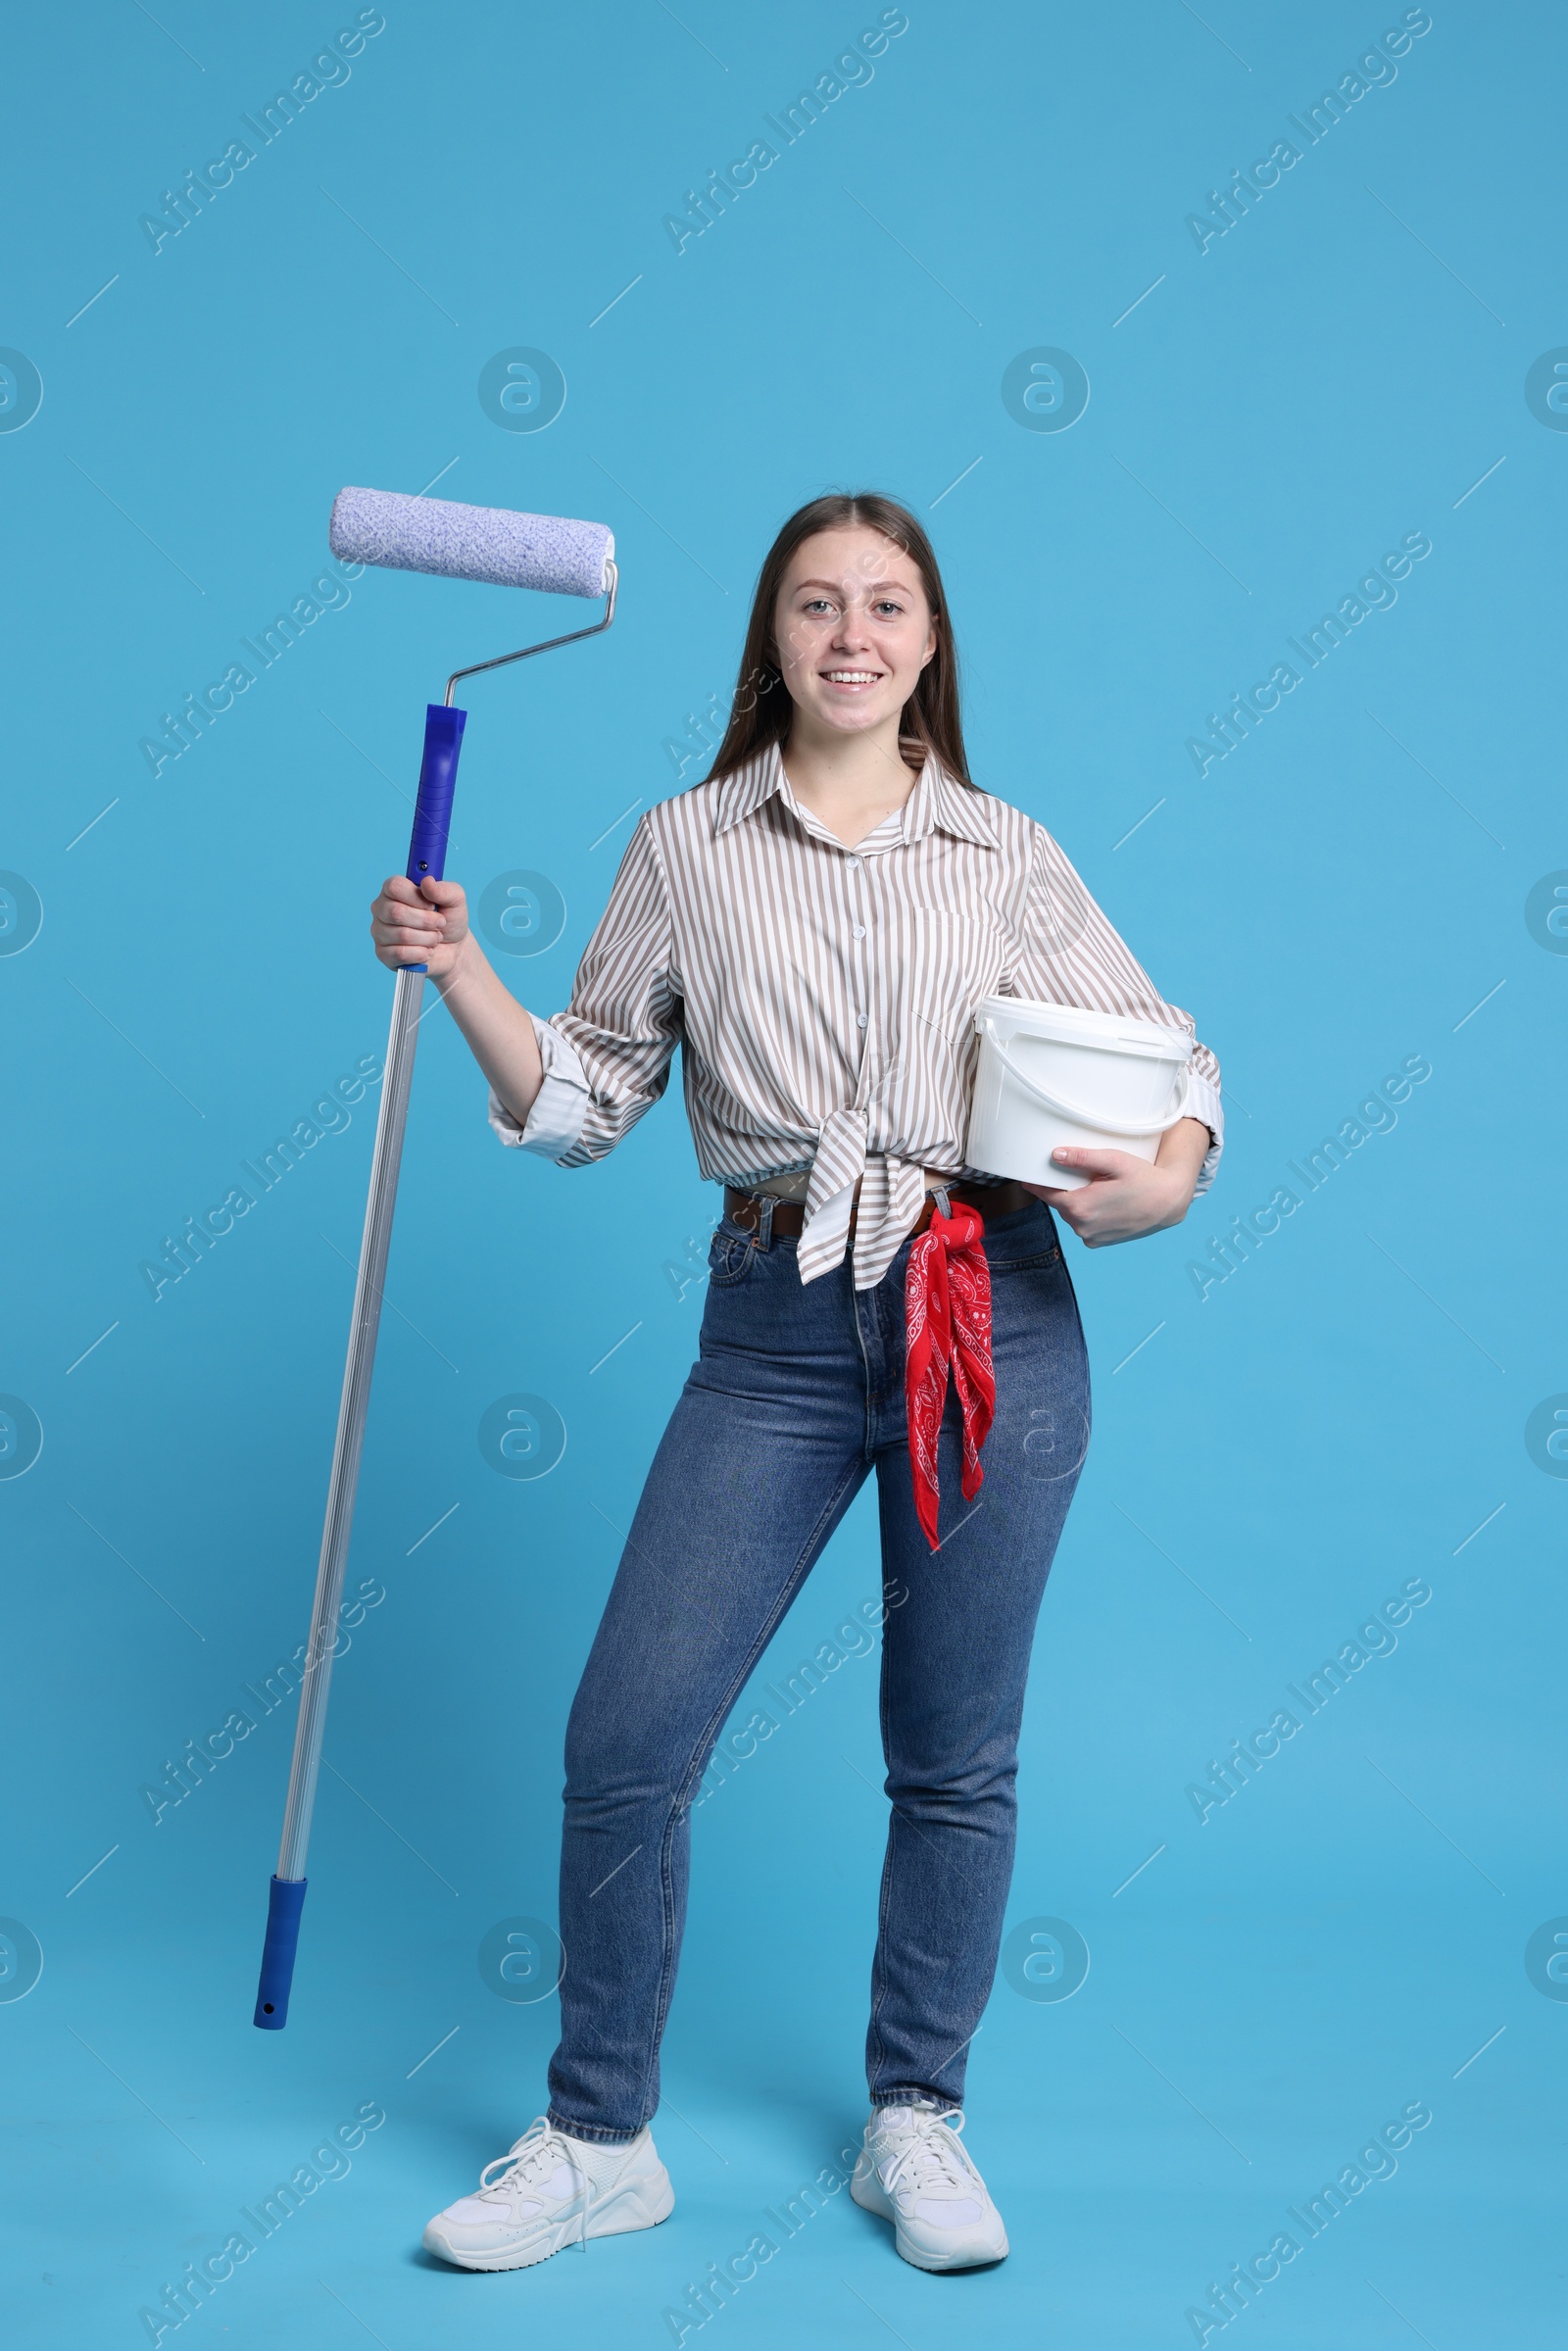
860,1021
855,865
859,930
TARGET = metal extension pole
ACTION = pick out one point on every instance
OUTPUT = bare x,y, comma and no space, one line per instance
343,1486
427,853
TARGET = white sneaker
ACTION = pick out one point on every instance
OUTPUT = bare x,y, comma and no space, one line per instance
549,2192
913,2172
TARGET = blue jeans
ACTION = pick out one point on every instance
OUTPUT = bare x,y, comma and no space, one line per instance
796,1396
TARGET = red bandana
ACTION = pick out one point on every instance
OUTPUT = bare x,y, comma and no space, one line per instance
946,1310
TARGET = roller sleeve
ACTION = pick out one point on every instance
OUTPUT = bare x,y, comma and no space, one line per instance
548,553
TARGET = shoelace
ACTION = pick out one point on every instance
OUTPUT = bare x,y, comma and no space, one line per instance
532,2160
933,2157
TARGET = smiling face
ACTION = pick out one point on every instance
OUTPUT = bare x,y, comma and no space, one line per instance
854,629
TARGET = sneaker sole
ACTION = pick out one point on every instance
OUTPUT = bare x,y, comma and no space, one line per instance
870,2195
642,2205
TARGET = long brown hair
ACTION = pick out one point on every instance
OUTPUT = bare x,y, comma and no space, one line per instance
761,709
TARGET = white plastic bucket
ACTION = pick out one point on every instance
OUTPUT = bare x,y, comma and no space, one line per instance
1049,1076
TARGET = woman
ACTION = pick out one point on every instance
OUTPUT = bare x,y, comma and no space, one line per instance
814,925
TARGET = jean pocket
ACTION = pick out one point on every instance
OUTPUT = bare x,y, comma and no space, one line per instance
730,1256
1034,1262
1024,1243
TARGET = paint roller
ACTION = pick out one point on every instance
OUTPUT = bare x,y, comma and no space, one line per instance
554,557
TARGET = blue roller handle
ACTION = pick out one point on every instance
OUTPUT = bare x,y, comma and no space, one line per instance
286,1901
432,811
427,855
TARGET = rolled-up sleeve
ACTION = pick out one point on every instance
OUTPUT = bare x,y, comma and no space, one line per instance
607,1056
559,1108
1072,955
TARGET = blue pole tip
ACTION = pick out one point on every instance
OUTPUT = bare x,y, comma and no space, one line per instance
285,1902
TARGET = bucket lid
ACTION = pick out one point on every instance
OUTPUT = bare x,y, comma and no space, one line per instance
1075,1024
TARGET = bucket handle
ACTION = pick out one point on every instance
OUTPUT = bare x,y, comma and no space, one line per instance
1077,1111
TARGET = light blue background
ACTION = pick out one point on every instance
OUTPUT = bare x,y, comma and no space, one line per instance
1340,893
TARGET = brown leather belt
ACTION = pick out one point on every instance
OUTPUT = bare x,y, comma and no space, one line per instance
746,1209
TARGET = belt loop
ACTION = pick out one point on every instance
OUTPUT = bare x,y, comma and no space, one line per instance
939,1193
764,1220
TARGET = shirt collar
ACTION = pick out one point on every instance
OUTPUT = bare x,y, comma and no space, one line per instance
938,803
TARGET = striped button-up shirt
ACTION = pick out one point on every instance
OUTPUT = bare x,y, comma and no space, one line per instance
824,997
